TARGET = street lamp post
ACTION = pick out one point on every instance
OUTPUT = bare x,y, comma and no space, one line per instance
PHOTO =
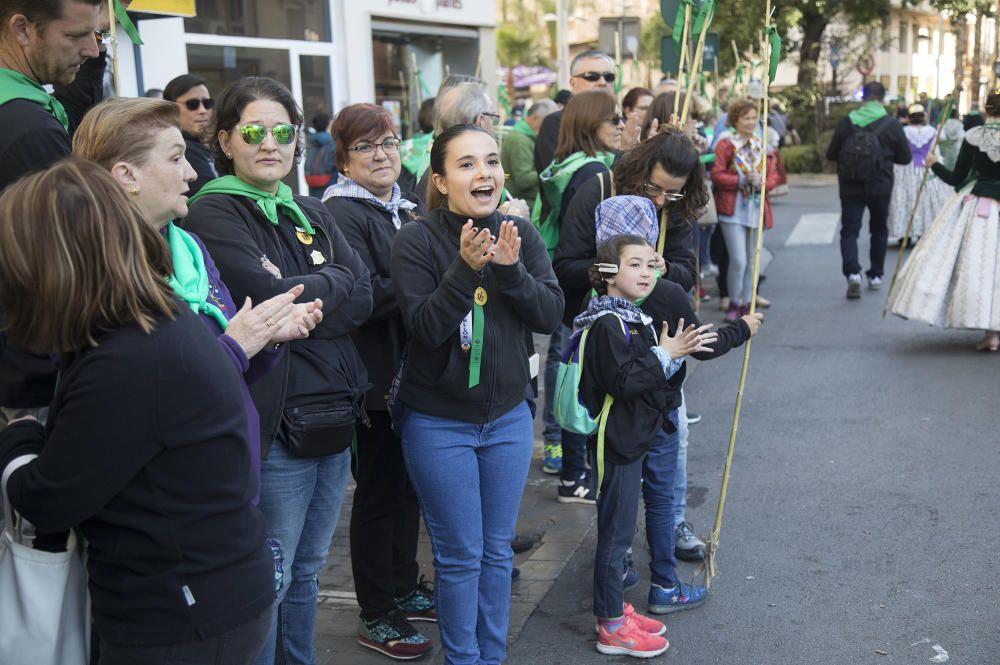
561,20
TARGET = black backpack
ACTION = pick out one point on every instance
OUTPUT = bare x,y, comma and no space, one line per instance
862,153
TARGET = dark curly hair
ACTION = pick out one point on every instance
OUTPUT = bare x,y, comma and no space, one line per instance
992,105
234,100
676,154
610,251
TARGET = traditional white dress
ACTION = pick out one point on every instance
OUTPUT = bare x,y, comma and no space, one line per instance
952,278
907,182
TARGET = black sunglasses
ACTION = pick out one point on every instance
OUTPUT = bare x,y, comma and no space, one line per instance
193,104
594,76
616,119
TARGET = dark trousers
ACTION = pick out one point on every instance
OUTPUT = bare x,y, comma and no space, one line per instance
851,213
385,520
574,455
720,257
237,646
617,511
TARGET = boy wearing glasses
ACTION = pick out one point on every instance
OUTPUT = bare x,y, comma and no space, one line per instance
591,70
191,95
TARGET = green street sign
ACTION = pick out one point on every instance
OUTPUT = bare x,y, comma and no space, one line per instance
668,9
670,58
713,50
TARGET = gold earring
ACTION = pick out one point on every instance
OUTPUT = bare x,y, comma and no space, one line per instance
135,191
611,282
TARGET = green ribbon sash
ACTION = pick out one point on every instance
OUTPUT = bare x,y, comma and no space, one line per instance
15,85
127,25
267,203
190,278
476,356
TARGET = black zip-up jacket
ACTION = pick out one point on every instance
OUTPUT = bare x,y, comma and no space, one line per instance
896,150
577,247
630,372
200,159
324,368
145,449
435,289
382,338
669,303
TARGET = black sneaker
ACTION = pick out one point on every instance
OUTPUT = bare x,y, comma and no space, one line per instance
418,605
393,636
521,544
578,491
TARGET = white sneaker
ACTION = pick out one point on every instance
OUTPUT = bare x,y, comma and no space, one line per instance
854,286
874,283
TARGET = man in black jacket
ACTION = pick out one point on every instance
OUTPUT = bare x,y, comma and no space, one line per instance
591,70
865,145
43,42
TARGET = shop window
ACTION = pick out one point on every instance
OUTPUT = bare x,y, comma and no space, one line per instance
317,93
306,20
222,65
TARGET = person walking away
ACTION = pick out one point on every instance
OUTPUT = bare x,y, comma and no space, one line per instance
907,179
265,240
627,364
158,484
385,516
321,172
518,149
471,283
950,278
950,141
865,144
191,95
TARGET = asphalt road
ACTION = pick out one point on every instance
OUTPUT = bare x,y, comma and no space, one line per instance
861,523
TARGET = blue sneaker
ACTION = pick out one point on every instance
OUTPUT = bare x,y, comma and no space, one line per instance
675,599
552,461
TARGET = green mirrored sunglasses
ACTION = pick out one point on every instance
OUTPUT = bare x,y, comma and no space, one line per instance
255,134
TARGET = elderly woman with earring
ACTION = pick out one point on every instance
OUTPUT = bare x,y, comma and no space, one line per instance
139,141
266,240
385,516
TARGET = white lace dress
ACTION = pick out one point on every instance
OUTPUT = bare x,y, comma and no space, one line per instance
907,182
952,278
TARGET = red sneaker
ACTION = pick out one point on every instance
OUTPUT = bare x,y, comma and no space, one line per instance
645,624
630,640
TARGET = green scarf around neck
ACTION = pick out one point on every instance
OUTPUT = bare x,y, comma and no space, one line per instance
522,127
868,113
190,279
554,181
268,203
15,85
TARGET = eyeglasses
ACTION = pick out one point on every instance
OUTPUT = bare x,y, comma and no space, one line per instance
595,76
103,37
283,133
616,119
193,104
657,192
494,116
390,145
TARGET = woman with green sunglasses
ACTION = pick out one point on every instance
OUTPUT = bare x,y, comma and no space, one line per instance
264,240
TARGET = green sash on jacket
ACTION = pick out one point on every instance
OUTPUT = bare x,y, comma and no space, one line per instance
554,180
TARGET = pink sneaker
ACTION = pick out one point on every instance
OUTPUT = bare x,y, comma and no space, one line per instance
645,624
630,640
733,312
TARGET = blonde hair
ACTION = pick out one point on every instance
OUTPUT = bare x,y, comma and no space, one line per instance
124,130
77,259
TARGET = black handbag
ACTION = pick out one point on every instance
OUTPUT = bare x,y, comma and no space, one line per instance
321,429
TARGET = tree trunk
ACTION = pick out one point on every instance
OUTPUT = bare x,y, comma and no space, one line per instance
977,56
960,40
813,26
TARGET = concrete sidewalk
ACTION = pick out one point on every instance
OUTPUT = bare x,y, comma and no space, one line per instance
557,529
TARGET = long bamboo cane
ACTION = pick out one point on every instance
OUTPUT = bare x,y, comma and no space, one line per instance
113,31
712,546
913,213
680,67
695,70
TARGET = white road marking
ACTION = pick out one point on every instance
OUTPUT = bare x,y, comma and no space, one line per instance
815,229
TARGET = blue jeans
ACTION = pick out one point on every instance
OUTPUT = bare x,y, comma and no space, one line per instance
617,510
300,499
681,475
574,446
469,478
658,494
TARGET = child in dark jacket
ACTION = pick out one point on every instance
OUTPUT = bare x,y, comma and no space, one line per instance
624,358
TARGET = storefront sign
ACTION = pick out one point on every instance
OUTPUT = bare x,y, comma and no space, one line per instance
171,7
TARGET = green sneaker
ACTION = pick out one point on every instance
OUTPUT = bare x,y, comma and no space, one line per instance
552,460
418,605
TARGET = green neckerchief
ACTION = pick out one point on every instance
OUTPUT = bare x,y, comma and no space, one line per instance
15,85
417,153
268,203
867,114
190,279
554,180
522,127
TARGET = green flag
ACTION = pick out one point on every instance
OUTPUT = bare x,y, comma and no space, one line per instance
775,43
678,33
126,22
706,13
